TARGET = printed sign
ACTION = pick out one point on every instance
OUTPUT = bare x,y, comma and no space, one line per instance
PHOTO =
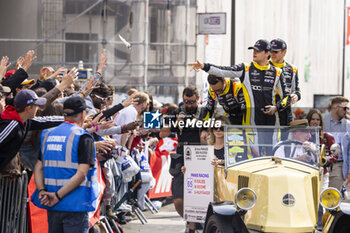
151,120
211,23
198,182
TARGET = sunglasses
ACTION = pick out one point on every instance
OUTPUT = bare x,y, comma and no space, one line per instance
219,90
190,101
219,128
101,98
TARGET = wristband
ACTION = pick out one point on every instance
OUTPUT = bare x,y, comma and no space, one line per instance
96,128
92,123
42,190
58,197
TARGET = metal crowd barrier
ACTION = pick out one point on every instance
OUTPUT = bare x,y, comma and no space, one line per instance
13,203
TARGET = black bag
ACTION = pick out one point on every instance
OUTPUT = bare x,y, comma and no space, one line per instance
177,161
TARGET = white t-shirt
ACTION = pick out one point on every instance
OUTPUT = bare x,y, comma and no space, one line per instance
124,116
295,151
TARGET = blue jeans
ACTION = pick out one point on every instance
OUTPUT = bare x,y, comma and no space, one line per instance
68,222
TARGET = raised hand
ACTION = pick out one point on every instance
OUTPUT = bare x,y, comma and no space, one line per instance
106,145
60,70
29,59
130,100
102,62
19,62
197,66
67,79
91,83
130,126
4,65
105,124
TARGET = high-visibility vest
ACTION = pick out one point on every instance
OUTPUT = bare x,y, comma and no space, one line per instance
59,155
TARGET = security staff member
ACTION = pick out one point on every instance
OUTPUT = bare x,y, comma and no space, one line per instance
66,177
290,74
261,80
230,95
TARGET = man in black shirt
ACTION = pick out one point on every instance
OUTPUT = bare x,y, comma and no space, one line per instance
187,135
66,175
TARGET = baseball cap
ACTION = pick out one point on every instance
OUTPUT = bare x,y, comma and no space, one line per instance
261,45
28,82
27,97
48,84
5,89
75,104
9,73
278,44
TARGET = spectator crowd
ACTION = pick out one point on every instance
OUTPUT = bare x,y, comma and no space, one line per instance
59,129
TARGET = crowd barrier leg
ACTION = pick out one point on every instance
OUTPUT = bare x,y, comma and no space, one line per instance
13,203
149,203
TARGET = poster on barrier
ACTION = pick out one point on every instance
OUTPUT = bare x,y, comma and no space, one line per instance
198,182
160,164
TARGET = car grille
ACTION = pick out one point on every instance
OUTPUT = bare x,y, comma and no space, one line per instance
243,182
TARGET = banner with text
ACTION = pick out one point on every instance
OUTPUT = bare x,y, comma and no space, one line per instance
198,182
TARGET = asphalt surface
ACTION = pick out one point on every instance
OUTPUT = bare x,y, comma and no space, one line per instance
167,220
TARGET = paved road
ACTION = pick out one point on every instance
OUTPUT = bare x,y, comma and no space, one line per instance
167,220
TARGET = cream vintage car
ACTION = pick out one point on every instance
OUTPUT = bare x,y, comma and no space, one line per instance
267,184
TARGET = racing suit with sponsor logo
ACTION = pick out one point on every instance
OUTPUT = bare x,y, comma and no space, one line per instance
262,83
231,99
291,80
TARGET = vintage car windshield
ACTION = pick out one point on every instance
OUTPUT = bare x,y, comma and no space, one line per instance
249,142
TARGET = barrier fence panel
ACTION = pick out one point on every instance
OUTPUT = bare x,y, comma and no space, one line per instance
13,203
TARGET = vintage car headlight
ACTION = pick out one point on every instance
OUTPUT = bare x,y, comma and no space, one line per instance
330,198
245,198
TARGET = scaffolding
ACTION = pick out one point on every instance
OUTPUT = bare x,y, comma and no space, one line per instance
161,32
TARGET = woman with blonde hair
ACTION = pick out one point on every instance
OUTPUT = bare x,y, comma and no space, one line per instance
217,138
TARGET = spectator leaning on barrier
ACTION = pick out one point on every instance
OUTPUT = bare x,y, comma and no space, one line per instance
130,114
65,175
335,122
16,121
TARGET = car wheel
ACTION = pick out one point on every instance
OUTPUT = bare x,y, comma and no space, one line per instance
218,224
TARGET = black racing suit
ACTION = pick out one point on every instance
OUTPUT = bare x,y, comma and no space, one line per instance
231,99
291,80
261,83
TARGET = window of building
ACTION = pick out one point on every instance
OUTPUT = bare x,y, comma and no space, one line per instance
80,51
